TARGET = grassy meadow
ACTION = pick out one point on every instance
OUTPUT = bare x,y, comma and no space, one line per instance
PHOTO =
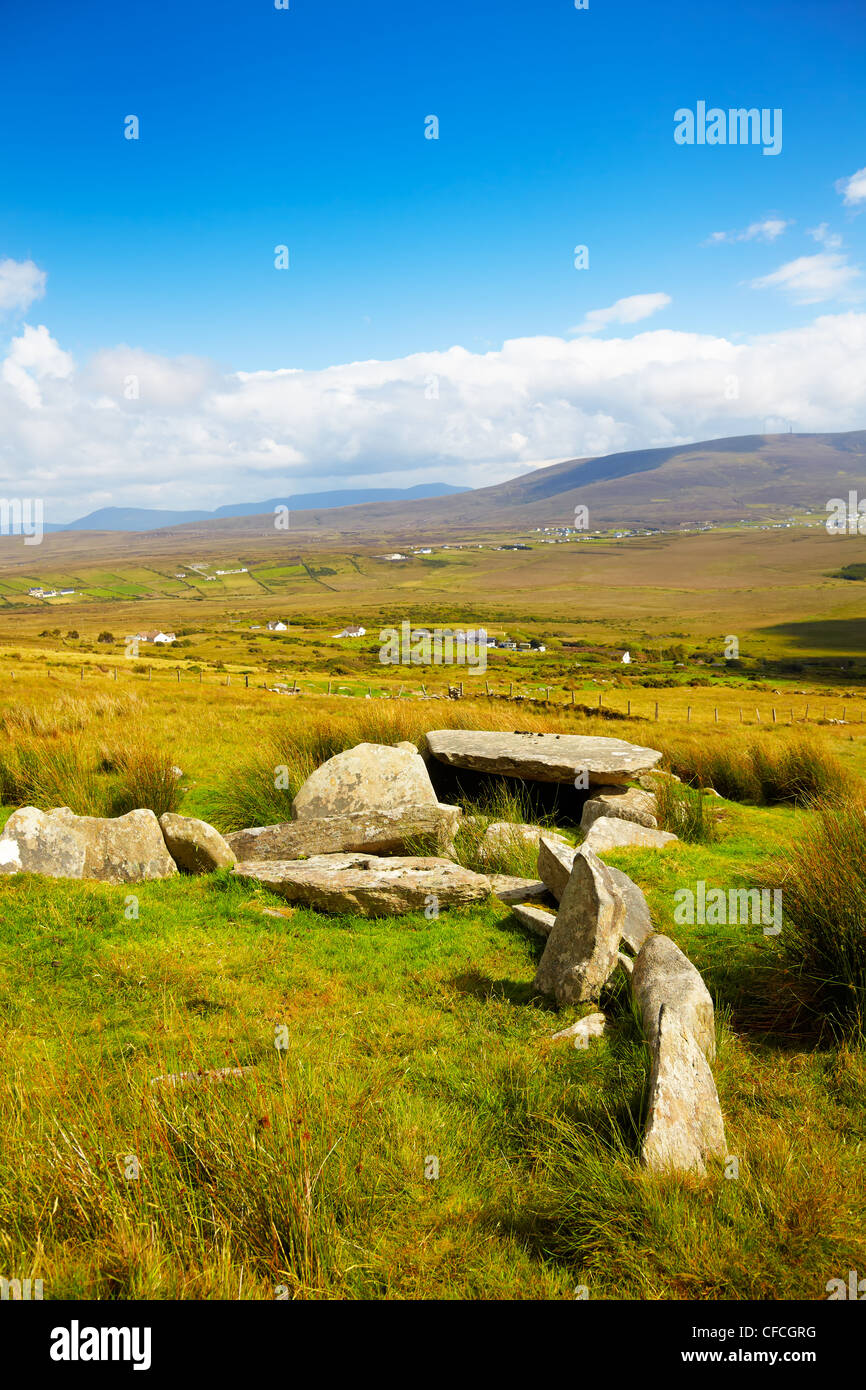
408,1040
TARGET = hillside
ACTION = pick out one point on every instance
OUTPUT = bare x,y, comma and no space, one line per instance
717,480
750,477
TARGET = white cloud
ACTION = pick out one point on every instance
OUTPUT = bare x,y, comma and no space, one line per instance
767,229
853,188
204,438
811,279
823,235
32,358
629,310
21,282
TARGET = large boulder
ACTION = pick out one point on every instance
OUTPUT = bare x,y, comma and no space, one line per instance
623,803
34,843
120,849
608,833
684,1119
368,885
194,845
663,975
581,951
369,777
372,832
542,757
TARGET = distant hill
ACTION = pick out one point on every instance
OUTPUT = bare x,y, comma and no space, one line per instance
755,477
152,519
752,477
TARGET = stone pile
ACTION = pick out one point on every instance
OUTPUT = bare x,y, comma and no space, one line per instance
600,911
368,835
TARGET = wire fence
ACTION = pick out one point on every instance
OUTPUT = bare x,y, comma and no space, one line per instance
677,704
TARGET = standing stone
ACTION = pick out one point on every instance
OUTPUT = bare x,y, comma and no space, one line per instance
194,845
663,975
581,951
369,777
622,803
684,1119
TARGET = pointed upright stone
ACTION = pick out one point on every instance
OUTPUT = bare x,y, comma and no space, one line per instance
581,951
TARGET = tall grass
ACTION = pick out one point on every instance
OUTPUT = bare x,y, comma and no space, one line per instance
823,881
508,854
798,770
66,714
684,811
67,770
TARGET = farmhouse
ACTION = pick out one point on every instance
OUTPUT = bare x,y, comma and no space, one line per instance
278,626
156,637
351,632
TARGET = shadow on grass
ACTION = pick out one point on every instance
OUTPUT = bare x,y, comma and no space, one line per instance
477,985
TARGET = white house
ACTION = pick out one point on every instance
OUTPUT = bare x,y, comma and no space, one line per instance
351,632
156,637
278,626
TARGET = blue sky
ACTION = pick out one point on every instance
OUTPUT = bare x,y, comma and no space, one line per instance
305,127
